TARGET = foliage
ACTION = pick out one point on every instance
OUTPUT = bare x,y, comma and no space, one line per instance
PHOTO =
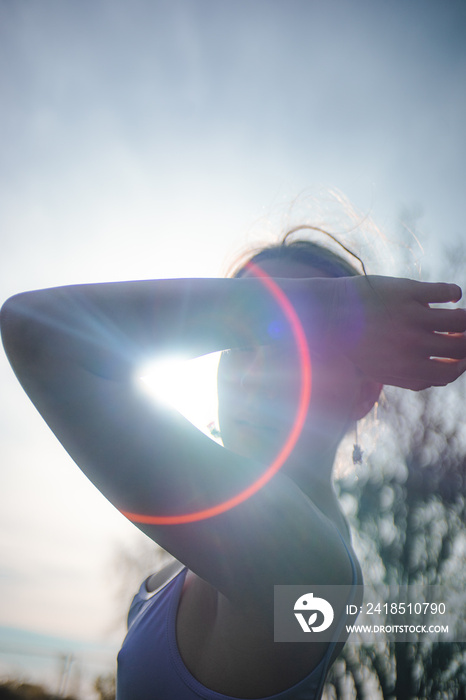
407,507
14,690
106,686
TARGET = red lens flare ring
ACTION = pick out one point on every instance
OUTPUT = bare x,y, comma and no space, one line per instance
290,442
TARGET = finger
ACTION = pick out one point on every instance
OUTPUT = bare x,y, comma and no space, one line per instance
451,346
444,320
436,292
418,386
427,373
405,383
444,371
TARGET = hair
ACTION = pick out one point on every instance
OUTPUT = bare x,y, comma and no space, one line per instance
319,256
305,251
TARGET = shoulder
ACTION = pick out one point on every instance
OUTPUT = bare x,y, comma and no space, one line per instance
211,629
160,578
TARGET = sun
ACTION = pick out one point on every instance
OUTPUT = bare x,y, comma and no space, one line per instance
189,386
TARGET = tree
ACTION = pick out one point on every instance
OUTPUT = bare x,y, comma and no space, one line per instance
15,690
407,508
105,686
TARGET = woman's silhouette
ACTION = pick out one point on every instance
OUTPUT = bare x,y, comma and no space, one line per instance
204,626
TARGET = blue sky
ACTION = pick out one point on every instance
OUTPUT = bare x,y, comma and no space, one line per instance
153,139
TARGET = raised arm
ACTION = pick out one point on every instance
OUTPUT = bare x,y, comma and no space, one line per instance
109,328
385,325
75,350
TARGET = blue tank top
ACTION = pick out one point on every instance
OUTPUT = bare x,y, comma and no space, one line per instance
150,666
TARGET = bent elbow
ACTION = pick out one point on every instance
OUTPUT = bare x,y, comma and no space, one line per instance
20,333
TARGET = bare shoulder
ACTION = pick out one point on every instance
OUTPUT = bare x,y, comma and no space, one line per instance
211,629
231,651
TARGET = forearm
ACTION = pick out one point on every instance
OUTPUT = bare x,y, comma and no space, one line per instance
110,328
383,325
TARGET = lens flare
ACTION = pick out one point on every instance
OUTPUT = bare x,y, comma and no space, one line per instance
290,442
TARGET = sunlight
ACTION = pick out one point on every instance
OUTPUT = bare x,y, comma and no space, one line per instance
189,386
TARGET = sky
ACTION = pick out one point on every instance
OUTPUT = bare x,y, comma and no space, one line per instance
158,138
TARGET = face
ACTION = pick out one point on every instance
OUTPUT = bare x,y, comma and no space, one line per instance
259,390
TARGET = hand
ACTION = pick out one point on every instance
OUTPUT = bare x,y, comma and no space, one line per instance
393,336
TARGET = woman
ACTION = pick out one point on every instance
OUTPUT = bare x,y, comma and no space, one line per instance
204,626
